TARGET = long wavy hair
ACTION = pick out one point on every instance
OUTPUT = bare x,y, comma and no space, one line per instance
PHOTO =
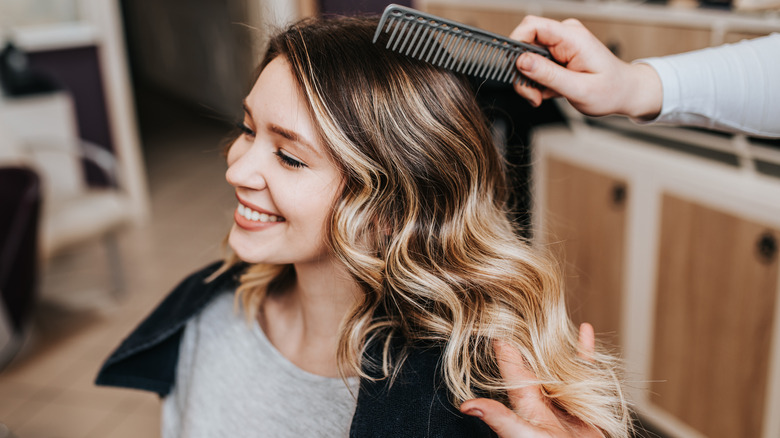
422,226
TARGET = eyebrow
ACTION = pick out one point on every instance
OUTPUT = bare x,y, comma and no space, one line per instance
286,133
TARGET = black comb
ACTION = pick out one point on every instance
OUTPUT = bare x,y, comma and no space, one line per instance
455,46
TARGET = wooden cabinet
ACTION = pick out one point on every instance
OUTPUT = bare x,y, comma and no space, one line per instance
631,41
678,255
632,31
586,219
715,307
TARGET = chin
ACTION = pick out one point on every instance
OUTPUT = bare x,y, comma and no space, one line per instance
242,248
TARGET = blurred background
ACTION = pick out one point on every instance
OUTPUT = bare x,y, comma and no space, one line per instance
113,116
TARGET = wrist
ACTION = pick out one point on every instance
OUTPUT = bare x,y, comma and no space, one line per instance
644,94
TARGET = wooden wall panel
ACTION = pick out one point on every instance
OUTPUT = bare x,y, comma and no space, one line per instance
713,320
496,21
585,221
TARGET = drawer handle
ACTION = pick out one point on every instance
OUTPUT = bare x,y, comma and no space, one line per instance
619,194
767,247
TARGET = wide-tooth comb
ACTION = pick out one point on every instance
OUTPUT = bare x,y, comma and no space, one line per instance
452,45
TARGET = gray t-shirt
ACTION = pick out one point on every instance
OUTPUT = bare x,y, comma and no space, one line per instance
232,382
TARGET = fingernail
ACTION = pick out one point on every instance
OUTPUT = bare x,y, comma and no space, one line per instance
526,62
474,412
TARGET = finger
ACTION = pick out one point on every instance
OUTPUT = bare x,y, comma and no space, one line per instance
527,29
542,31
525,395
587,341
533,95
502,420
547,73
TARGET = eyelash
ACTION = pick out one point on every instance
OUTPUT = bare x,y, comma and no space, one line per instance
245,129
283,158
288,161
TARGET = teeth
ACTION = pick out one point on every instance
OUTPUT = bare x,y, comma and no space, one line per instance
256,216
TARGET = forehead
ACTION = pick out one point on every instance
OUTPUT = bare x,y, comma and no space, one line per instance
276,99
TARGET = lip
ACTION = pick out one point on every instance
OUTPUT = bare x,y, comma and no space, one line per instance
247,224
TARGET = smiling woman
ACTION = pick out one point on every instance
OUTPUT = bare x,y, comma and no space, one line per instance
383,284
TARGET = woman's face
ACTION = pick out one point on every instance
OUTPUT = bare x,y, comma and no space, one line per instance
285,183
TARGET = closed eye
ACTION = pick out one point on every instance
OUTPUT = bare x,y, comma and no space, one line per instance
289,161
246,130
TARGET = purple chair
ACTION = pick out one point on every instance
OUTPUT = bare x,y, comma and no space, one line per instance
20,198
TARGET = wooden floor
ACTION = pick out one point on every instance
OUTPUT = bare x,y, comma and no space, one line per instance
47,392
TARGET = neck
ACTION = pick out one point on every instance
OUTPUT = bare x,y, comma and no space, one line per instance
303,322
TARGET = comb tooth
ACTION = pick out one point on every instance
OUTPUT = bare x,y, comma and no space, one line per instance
498,67
479,58
450,51
433,37
407,34
395,31
510,68
500,63
389,24
512,78
464,52
487,64
400,35
442,42
471,57
420,41
446,49
503,65
440,39
483,55
414,38
455,53
467,52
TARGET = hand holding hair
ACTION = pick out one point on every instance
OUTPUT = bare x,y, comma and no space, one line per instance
533,415
590,77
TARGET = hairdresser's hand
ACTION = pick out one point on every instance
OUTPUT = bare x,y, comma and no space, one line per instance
533,415
590,77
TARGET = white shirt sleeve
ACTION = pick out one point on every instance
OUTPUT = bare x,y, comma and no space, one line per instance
734,87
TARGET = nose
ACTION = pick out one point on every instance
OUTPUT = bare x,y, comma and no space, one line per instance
245,166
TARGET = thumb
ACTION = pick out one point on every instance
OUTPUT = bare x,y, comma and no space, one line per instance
501,419
545,72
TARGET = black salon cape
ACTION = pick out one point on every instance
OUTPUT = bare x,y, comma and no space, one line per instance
415,405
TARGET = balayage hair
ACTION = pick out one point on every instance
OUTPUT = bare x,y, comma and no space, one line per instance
422,225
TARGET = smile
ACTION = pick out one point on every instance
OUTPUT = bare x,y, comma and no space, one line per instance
255,216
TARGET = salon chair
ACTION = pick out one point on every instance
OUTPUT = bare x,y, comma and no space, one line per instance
40,132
